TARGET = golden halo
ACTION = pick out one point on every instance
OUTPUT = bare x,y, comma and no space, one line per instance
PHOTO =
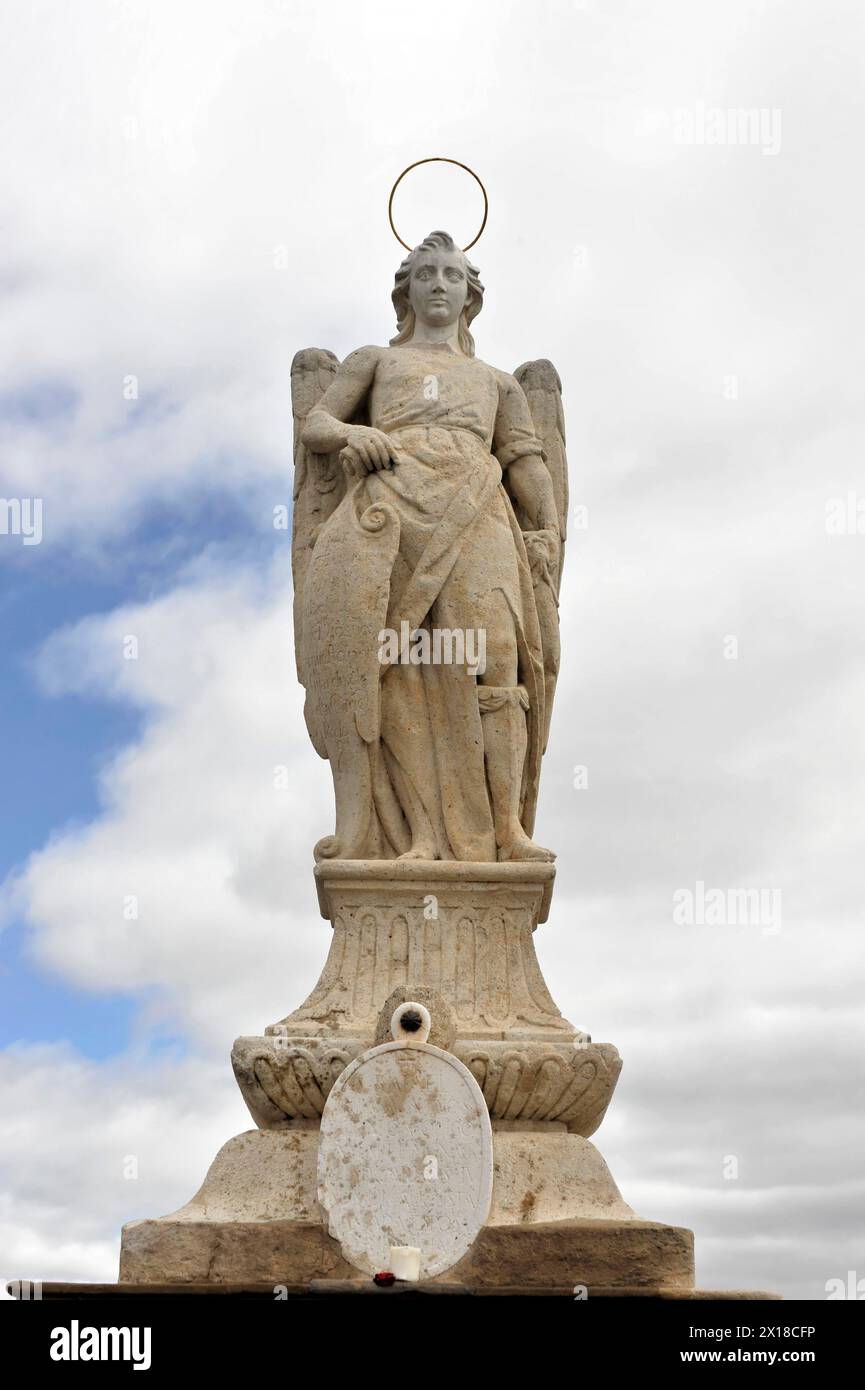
436,159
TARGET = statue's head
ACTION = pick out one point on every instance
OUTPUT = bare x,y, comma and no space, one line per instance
438,285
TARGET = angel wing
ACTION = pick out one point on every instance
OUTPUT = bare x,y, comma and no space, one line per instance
319,479
543,391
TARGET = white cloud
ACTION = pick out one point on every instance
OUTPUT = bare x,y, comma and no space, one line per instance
200,836
87,1146
158,160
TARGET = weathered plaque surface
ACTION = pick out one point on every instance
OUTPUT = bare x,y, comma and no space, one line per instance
405,1157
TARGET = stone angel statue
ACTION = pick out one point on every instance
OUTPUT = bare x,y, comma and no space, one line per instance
430,501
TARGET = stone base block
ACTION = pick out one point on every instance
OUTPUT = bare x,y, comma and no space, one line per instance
541,1173
540,1255
170,1251
551,1254
557,1218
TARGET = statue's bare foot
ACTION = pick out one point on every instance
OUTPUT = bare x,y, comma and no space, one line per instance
420,850
520,847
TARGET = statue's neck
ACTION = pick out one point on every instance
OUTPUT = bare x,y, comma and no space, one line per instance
425,334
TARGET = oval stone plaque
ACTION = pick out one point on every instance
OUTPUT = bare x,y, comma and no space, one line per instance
405,1157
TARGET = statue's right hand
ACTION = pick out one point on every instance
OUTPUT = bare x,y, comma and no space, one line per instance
368,449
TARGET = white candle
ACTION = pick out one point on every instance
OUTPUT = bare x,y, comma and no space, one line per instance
405,1262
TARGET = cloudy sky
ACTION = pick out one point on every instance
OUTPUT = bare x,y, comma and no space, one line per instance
193,190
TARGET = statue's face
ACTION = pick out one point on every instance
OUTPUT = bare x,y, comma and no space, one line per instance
438,287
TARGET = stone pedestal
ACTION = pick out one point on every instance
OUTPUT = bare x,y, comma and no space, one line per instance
464,931
458,938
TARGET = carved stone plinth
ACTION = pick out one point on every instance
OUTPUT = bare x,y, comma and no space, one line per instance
462,930
461,938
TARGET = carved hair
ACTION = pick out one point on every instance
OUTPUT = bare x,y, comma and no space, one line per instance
405,316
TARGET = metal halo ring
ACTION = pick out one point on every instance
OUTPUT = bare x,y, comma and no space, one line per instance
437,159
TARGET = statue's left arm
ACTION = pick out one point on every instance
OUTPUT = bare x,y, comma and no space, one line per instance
520,452
528,451
531,485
